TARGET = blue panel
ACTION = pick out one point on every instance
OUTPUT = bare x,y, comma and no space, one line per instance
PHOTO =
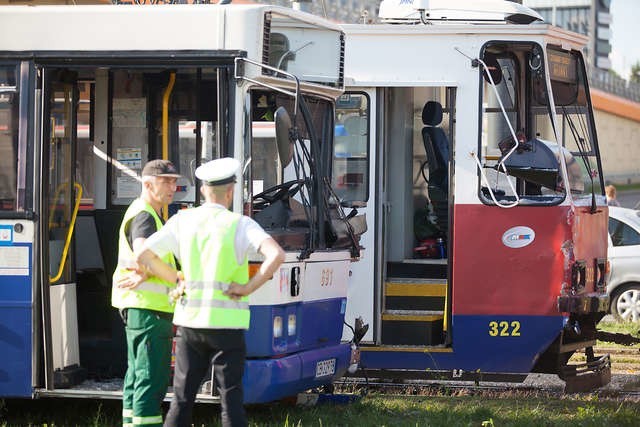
266,380
518,342
318,324
15,334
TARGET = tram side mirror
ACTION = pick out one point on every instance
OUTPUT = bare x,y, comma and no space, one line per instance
283,128
494,68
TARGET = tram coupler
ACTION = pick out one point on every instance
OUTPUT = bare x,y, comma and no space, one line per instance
588,376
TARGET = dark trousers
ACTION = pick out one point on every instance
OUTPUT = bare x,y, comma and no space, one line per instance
196,349
149,336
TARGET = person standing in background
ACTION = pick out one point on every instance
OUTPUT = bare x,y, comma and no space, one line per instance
610,191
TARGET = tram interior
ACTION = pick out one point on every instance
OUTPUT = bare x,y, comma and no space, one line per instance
419,128
105,125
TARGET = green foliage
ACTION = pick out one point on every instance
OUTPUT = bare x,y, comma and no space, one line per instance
631,328
486,410
635,73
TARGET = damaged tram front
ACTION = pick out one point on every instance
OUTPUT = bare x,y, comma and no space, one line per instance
84,105
470,137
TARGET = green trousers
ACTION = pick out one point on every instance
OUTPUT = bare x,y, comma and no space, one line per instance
149,338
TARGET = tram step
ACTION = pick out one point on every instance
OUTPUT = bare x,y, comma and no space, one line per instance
415,294
412,327
418,269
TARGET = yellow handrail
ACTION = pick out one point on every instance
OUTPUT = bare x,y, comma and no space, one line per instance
52,210
165,127
69,234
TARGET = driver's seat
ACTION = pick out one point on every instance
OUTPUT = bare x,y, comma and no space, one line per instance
436,146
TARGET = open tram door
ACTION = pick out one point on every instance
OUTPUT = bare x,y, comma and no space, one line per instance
393,161
418,141
61,196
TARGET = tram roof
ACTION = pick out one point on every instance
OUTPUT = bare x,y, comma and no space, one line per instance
130,28
457,33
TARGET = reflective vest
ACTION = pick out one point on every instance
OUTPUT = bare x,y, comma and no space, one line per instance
153,294
209,264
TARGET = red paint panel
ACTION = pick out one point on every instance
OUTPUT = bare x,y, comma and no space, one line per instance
590,232
491,278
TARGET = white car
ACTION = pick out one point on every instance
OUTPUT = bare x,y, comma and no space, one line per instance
624,255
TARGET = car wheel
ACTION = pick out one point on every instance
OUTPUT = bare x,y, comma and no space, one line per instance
626,303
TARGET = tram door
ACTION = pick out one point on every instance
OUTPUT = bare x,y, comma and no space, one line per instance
416,210
61,198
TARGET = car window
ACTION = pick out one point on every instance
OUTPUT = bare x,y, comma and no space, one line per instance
622,234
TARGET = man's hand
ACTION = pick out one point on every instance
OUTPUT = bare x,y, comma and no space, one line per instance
178,292
133,279
236,291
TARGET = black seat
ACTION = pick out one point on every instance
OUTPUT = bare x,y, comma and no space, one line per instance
436,146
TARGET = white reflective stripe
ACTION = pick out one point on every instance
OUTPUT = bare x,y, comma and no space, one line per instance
207,284
213,303
127,425
127,413
153,287
139,421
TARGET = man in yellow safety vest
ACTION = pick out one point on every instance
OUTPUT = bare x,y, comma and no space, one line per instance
211,243
145,306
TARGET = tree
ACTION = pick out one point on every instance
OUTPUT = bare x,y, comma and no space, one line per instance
635,73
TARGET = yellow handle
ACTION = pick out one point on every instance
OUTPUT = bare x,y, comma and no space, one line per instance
165,127
69,234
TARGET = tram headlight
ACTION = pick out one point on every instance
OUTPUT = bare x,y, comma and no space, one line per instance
291,325
277,327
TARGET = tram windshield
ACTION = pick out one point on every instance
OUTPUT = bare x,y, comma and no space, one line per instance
575,119
521,146
283,193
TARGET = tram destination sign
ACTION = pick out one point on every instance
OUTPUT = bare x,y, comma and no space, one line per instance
562,66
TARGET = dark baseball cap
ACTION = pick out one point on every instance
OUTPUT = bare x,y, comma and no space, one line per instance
160,168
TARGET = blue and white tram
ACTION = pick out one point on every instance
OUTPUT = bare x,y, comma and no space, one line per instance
87,95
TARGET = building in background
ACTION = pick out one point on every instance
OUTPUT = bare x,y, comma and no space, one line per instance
589,17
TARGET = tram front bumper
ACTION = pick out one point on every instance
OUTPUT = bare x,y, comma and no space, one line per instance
583,304
266,380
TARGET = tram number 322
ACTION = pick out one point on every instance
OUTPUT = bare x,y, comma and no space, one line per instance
504,328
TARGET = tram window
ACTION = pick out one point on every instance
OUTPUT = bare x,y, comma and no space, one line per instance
350,169
8,138
140,100
575,130
84,156
278,192
528,170
505,72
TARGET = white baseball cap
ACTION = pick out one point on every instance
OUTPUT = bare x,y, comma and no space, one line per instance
218,171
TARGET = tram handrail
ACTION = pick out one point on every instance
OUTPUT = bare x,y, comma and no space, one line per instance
506,156
67,242
166,96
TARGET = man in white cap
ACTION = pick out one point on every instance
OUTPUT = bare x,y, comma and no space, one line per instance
145,306
212,313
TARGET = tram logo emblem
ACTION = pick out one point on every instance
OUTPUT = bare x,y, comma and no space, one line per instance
518,237
6,237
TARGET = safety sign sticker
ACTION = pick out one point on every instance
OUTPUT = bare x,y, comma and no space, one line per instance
14,260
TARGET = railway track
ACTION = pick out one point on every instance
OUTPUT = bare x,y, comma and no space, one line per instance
624,385
418,388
